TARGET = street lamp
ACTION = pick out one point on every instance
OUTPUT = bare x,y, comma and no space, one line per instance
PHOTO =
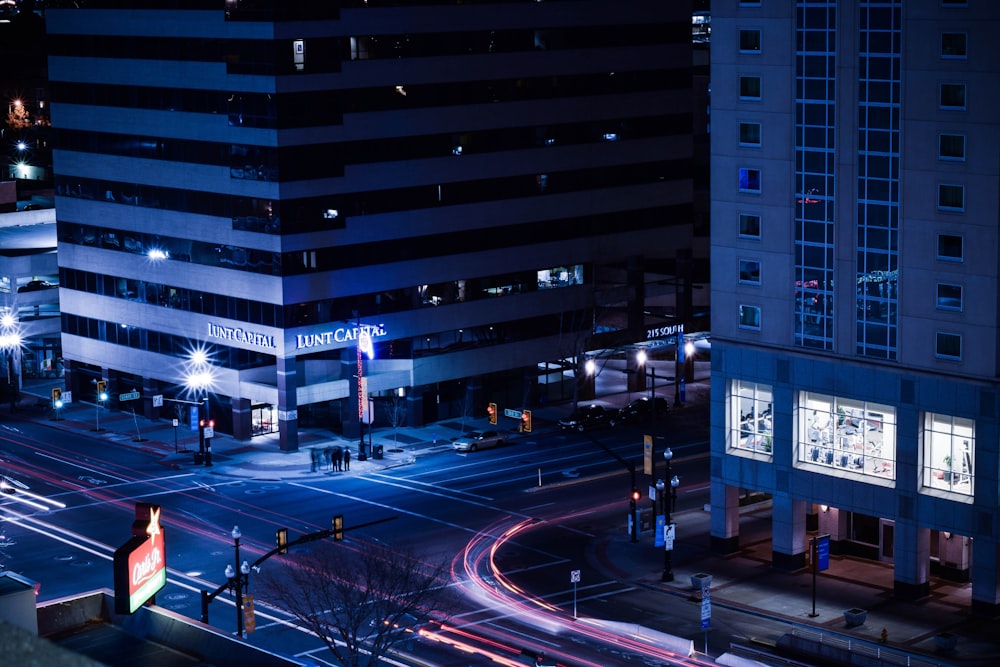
10,341
199,378
239,582
669,499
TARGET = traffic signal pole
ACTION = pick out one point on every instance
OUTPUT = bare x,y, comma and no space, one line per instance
336,531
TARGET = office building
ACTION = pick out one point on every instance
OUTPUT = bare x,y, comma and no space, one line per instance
854,282
250,193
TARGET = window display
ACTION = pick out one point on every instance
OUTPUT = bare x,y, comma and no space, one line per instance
949,445
751,424
847,435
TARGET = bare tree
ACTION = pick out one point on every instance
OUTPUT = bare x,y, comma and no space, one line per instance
359,602
395,412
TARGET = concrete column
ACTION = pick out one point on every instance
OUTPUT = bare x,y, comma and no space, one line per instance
242,419
150,388
911,560
985,577
415,406
288,419
789,540
725,520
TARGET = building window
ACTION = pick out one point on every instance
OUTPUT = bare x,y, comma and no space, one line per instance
950,247
749,3
949,446
749,134
750,272
840,435
951,147
949,296
951,197
952,95
749,41
749,317
749,225
953,45
750,180
750,425
949,345
749,87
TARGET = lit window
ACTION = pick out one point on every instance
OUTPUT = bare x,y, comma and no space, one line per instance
949,446
750,87
750,180
750,225
950,247
749,317
949,296
750,271
841,435
750,420
952,95
749,41
949,345
953,45
951,147
749,134
951,197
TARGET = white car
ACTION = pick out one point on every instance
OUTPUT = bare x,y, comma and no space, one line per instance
474,440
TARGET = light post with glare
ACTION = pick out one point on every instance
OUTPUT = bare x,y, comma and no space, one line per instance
669,498
239,581
10,341
199,378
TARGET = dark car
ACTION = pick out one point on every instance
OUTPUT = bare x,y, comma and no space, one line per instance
36,286
641,410
587,417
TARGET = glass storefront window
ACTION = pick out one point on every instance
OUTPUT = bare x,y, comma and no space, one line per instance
844,435
750,421
949,445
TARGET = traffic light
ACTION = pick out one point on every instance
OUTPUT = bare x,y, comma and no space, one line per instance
636,495
281,536
491,409
338,527
526,421
102,390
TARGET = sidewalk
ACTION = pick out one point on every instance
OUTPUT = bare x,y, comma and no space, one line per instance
753,604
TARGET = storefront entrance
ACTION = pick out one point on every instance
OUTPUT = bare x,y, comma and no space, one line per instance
264,419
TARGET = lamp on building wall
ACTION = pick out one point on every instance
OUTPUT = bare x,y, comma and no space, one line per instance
10,343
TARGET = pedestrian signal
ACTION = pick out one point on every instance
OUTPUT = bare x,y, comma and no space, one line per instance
491,409
102,390
282,539
526,421
56,394
338,527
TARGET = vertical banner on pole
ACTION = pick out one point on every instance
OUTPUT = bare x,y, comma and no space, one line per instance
647,454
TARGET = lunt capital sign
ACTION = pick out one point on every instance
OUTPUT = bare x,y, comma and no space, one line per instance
140,569
339,335
239,335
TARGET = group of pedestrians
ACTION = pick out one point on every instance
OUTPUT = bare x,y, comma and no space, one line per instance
336,459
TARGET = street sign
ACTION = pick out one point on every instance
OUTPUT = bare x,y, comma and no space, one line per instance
574,576
158,401
209,432
67,397
513,414
706,606
129,396
669,532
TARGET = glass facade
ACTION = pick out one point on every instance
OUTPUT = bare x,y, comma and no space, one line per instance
751,425
949,447
878,177
815,183
846,435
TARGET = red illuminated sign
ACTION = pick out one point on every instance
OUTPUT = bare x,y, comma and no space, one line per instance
140,569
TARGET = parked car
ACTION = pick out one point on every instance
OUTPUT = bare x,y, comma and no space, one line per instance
36,286
587,417
641,410
474,441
